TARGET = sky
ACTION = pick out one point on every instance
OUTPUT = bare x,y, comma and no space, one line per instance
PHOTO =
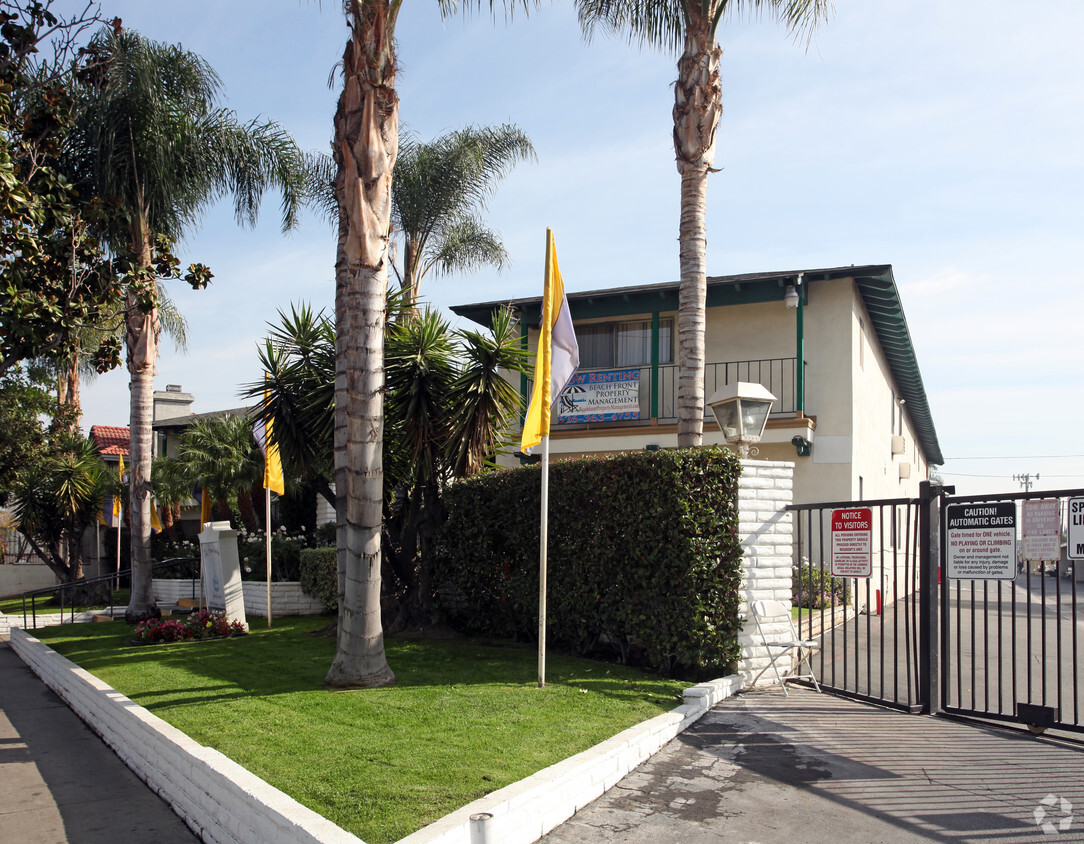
943,138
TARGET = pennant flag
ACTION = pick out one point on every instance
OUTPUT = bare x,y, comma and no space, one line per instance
156,522
120,469
558,353
205,507
111,504
272,465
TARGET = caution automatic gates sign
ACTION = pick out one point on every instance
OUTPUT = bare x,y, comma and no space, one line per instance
981,541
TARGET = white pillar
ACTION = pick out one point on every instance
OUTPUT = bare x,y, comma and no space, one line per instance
766,528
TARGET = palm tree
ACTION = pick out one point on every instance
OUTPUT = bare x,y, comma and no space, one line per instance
446,411
689,29
365,146
298,395
448,408
221,455
438,189
58,498
151,142
172,487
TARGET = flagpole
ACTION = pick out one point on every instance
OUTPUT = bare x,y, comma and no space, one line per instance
267,522
120,520
542,561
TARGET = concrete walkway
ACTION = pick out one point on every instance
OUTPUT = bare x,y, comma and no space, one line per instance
59,783
762,767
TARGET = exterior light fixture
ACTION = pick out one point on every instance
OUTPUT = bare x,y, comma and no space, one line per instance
742,409
790,298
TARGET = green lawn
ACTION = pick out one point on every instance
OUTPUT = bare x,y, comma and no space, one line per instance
465,717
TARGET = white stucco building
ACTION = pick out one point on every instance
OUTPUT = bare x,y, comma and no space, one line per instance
854,416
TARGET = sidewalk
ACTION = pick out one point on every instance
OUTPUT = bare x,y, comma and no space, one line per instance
59,784
762,767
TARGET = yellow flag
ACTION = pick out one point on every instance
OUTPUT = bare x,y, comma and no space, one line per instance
156,523
558,353
116,498
272,464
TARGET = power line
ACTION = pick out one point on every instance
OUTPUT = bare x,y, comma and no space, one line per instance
1020,457
969,475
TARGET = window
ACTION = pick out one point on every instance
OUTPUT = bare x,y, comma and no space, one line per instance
622,344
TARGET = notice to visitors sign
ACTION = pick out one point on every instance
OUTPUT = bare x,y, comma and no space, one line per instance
981,540
1042,529
852,542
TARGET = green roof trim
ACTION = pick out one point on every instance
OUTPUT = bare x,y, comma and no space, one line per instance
882,300
876,285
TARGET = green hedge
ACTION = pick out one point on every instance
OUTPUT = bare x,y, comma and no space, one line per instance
320,576
644,556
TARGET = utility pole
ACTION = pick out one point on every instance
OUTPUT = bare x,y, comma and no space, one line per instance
1025,480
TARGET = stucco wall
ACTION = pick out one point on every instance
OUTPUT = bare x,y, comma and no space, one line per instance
17,579
848,393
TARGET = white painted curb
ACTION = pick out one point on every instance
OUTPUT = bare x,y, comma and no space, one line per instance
218,799
525,811
225,804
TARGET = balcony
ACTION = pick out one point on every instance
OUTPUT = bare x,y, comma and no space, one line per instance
659,401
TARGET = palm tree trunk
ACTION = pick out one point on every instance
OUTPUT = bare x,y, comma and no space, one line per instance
366,142
68,388
697,108
141,338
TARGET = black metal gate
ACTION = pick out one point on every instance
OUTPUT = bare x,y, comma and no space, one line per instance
1011,649
869,628
908,637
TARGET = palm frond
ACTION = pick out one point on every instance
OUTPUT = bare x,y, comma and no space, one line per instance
440,186
151,141
465,246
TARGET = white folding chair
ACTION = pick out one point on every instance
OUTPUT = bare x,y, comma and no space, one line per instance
783,645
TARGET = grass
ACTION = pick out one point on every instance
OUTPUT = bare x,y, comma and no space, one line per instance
464,718
46,604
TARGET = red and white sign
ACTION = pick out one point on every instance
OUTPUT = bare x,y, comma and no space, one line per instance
852,542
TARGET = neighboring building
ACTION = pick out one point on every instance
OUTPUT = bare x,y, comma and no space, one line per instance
854,417
112,443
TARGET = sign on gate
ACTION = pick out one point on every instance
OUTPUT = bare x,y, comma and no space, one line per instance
1076,528
981,541
1042,529
852,542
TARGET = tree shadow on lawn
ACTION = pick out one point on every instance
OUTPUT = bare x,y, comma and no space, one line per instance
288,659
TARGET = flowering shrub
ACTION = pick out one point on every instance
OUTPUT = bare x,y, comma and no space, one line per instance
815,588
199,625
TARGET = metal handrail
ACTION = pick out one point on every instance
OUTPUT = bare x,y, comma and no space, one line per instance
111,579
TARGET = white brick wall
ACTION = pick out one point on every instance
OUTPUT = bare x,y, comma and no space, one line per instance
218,799
222,802
767,532
286,597
525,811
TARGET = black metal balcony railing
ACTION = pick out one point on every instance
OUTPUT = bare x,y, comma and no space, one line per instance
776,374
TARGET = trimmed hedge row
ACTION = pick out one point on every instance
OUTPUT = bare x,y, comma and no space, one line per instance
644,556
320,576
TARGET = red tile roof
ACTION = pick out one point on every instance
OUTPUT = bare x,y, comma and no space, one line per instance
110,439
